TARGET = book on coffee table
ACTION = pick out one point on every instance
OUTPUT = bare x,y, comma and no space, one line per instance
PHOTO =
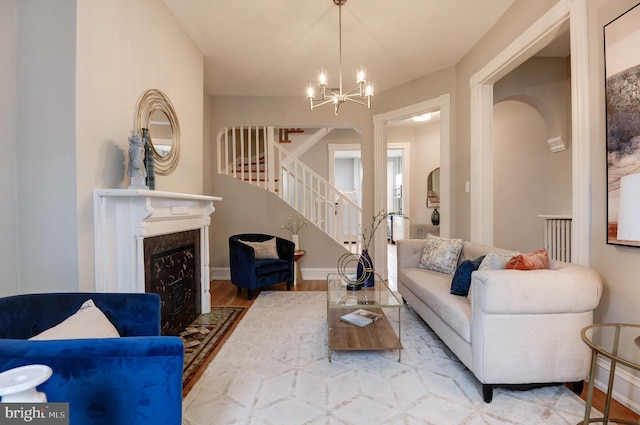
361,317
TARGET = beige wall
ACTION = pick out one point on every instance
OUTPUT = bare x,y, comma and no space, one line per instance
125,48
8,144
618,265
81,66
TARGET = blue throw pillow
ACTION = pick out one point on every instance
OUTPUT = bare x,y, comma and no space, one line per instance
462,277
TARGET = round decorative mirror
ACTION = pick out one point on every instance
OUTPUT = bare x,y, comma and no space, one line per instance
155,112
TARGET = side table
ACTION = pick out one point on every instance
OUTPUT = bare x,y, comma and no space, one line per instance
617,342
297,275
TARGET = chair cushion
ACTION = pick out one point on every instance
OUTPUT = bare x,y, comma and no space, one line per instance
88,322
264,250
270,266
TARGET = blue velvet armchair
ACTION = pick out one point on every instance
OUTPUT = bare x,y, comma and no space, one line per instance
254,274
135,379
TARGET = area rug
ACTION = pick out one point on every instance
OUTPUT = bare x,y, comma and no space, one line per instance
201,338
274,369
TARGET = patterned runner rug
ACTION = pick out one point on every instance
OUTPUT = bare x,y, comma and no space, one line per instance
201,338
274,369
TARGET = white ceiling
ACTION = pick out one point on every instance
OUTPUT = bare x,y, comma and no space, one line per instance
276,47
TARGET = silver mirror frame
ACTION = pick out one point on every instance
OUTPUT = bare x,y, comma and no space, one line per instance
150,101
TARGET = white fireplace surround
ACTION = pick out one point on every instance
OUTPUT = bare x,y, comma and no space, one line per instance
123,218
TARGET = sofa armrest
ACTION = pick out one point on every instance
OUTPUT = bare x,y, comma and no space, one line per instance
569,289
409,252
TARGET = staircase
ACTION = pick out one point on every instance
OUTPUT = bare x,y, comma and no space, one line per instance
254,156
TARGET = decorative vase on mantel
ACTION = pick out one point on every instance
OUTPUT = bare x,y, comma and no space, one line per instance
148,160
365,271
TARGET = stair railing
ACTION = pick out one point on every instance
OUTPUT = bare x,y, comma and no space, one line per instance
250,154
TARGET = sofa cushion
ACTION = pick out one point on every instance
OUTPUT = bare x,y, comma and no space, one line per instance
441,254
433,289
534,261
462,277
88,322
264,250
496,261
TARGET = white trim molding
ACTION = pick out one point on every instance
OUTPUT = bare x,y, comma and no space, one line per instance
442,103
571,13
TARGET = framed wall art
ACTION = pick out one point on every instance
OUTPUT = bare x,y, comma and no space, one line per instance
622,87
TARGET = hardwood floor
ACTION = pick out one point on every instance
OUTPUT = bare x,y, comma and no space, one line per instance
225,294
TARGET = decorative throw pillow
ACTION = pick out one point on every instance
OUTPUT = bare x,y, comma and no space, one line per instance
534,261
267,250
88,322
495,261
462,278
441,254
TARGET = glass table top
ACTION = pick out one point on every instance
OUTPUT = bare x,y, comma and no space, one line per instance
379,296
618,341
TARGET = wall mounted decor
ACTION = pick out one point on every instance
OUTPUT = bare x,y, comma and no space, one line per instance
155,112
622,83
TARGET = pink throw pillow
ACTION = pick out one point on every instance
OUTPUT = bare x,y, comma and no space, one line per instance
536,260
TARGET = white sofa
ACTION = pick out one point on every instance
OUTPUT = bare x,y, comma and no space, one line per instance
517,328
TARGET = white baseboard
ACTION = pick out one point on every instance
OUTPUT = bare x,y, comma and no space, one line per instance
626,387
223,273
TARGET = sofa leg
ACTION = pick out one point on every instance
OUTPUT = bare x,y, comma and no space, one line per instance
577,387
288,286
250,294
487,393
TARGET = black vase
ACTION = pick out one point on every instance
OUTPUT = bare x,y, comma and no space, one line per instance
148,160
435,217
364,272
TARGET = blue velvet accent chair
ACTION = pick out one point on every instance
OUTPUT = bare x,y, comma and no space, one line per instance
135,379
254,274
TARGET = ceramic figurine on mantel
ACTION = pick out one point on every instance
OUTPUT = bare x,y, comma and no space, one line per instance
136,169
148,160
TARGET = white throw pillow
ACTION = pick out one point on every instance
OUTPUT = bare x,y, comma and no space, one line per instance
267,250
441,254
88,322
495,261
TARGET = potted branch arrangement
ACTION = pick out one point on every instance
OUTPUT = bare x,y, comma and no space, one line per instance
364,271
294,224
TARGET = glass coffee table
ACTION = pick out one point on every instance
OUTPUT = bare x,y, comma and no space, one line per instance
379,335
618,342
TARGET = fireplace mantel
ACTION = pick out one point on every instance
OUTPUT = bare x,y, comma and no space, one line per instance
123,218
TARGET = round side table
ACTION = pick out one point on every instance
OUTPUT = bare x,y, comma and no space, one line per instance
618,342
297,276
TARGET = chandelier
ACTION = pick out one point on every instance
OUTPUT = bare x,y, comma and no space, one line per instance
361,94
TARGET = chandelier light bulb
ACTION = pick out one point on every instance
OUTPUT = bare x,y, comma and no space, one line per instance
368,90
311,91
361,77
322,77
